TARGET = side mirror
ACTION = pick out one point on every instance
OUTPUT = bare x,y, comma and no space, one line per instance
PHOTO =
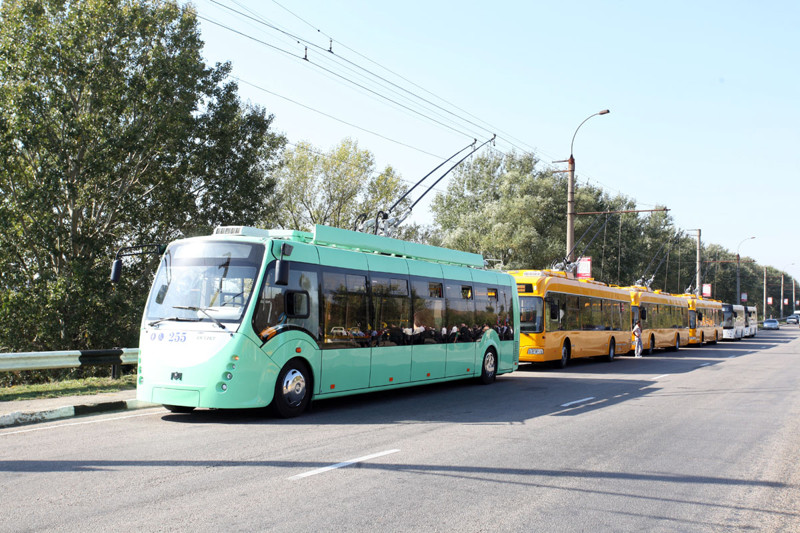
281,266
116,270
281,272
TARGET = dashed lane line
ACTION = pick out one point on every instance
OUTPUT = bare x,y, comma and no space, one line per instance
341,465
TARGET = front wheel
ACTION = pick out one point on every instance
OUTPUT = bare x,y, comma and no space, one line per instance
562,363
677,342
489,367
292,389
652,347
612,351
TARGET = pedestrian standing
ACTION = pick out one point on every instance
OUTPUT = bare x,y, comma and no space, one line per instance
637,337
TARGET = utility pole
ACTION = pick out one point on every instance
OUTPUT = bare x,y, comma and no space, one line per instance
781,315
765,293
698,288
571,191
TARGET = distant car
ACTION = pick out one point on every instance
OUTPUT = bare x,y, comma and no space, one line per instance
771,323
792,319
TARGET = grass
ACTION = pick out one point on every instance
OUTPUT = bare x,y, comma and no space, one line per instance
72,387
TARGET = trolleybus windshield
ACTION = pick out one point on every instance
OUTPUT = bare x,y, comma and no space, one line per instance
531,318
204,281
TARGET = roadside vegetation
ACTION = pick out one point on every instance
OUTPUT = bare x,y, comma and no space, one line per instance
70,387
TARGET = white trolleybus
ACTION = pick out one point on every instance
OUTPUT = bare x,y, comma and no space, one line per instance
249,317
733,321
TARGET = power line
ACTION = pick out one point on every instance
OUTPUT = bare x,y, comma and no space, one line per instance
329,53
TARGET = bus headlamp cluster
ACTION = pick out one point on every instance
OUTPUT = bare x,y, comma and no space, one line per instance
222,386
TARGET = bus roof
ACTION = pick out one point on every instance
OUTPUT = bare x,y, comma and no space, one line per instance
361,242
540,281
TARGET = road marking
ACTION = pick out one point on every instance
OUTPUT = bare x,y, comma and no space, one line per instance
661,376
577,401
341,465
705,364
79,423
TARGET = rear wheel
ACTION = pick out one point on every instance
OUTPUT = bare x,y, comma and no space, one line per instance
292,389
489,367
178,408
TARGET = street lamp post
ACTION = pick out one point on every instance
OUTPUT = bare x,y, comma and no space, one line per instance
738,290
571,191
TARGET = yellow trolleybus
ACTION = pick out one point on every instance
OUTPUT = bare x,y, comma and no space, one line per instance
664,316
563,318
705,320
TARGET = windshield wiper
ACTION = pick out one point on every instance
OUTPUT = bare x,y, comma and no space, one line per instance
202,310
175,318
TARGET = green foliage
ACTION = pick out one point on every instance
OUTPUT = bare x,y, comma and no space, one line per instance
112,132
333,188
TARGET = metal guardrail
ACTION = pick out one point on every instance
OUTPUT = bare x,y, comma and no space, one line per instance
67,359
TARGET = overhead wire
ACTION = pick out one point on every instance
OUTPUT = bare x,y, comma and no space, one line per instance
412,97
350,66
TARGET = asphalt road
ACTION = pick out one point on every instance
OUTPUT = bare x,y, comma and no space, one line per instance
704,439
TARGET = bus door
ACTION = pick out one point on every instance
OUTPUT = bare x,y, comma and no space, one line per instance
459,320
391,331
346,336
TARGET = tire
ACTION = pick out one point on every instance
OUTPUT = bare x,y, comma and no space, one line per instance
178,408
652,347
489,367
292,389
702,338
612,351
565,349
677,343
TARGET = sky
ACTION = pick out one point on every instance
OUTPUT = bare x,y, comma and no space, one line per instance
704,96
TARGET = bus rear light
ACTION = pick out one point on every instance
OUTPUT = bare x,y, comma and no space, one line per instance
333,386
223,387
228,376
298,350
235,358
429,375
468,370
391,379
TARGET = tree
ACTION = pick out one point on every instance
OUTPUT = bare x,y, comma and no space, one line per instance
112,131
333,188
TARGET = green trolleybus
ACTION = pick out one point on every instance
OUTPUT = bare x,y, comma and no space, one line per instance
249,317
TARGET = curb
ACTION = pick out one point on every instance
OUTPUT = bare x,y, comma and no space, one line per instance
21,418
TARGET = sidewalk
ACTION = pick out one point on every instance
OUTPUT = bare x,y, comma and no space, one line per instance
20,412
